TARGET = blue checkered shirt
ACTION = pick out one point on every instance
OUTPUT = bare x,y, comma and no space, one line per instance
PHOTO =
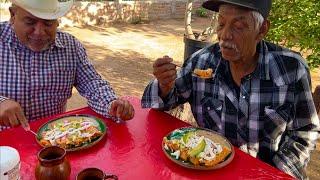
272,117
42,81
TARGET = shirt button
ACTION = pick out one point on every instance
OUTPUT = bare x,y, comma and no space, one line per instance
208,108
243,97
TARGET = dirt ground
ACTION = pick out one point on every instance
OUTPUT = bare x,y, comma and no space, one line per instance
123,54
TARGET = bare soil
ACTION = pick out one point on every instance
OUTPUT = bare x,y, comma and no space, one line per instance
123,55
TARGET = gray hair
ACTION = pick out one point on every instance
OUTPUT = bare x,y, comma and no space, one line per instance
258,19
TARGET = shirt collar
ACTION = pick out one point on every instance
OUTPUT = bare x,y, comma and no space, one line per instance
9,36
262,69
58,43
6,32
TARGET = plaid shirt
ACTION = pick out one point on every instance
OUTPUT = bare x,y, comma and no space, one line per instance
42,81
273,118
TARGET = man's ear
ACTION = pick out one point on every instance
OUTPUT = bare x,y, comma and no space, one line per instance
13,12
263,29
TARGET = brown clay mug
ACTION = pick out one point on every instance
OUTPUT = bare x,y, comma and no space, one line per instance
52,164
94,174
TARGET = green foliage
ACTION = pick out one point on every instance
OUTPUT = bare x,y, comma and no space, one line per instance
201,12
296,24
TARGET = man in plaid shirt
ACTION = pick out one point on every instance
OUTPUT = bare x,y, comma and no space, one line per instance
39,66
258,95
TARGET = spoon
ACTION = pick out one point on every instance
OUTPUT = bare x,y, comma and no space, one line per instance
117,119
27,128
32,132
177,65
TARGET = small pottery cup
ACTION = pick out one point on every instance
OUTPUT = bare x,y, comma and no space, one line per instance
94,174
52,164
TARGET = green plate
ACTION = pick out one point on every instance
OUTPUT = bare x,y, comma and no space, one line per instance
98,122
212,135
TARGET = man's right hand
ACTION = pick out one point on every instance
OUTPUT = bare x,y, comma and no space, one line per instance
11,114
165,71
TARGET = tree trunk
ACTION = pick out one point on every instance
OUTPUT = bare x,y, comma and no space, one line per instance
212,33
187,19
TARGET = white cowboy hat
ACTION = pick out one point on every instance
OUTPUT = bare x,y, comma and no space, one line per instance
45,9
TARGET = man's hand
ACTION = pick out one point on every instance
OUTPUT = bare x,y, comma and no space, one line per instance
122,109
11,114
165,71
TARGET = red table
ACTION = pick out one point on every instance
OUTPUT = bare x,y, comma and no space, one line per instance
132,150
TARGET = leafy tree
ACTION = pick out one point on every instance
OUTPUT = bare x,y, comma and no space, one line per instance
296,24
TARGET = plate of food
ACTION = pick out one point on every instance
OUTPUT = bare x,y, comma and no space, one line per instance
197,148
74,132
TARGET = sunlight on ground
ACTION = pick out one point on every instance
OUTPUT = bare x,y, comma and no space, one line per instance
142,42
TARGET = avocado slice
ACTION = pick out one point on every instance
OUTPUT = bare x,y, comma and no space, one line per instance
198,149
187,136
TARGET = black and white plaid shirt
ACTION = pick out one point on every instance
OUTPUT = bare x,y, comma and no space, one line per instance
272,116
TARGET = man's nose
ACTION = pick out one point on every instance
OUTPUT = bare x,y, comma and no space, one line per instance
226,33
39,29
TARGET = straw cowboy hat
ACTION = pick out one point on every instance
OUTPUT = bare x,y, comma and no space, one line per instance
45,9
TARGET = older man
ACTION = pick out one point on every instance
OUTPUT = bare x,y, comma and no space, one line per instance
258,95
39,65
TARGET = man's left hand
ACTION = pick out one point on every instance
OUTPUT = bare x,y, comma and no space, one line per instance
122,109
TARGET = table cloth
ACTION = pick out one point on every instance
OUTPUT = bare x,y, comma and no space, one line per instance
132,150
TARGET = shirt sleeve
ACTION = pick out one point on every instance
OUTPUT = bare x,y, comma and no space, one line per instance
151,98
294,153
178,95
90,85
182,89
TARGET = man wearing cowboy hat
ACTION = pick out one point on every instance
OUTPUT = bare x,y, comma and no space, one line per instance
258,95
39,65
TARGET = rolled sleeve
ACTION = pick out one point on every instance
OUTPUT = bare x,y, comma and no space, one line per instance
151,98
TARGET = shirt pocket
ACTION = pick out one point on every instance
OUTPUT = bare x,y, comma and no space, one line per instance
275,123
212,110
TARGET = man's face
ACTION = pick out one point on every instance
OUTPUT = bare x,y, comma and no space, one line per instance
35,33
237,34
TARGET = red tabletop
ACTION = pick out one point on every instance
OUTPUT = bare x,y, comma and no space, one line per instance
132,150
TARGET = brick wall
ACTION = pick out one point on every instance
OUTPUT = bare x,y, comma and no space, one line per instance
101,13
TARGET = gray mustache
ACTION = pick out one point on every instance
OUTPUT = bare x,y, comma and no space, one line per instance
227,45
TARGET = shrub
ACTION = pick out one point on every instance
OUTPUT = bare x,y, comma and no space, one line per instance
201,12
296,24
